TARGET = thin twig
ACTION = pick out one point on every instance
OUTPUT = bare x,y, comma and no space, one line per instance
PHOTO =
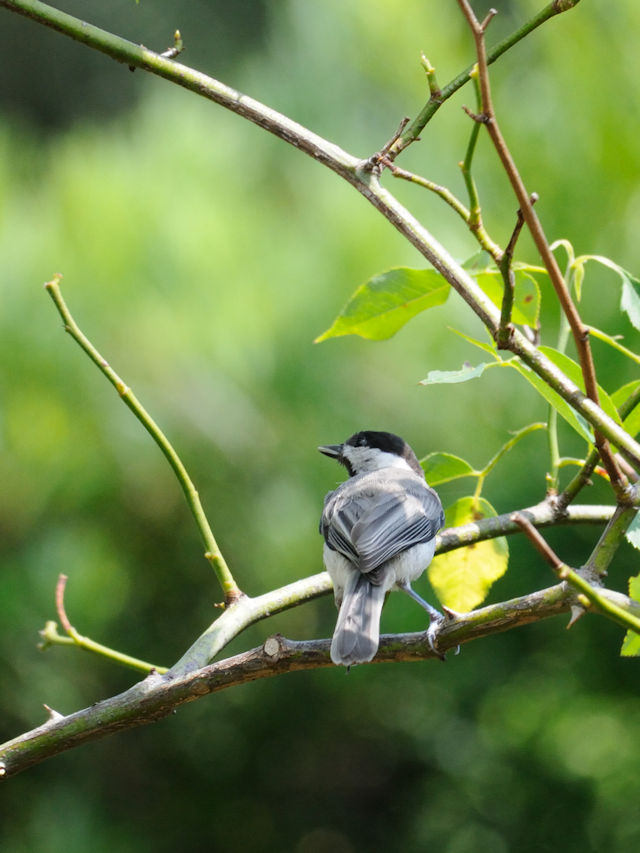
579,330
414,129
479,232
577,581
62,616
50,637
176,49
538,541
583,477
505,330
213,553
349,168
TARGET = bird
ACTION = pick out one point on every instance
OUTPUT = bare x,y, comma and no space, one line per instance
379,530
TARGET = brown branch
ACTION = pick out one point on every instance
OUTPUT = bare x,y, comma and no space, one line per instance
538,542
62,615
157,696
579,330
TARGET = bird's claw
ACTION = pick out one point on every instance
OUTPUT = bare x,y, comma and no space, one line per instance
433,630
432,635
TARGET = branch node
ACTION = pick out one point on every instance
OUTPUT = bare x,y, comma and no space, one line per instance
481,118
178,47
273,646
377,160
490,16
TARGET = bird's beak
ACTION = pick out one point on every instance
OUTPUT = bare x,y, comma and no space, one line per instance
332,450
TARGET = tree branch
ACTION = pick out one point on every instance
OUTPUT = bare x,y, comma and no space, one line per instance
359,174
212,553
579,330
157,696
439,96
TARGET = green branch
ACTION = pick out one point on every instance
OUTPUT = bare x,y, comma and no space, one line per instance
360,174
213,554
415,128
51,637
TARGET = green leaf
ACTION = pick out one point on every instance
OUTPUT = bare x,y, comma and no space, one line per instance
631,422
489,348
466,372
633,537
443,467
623,393
629,300
561,406
386,302
631,642
574,372
526,301
462,578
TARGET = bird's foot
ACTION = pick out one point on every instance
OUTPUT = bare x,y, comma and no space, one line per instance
437,623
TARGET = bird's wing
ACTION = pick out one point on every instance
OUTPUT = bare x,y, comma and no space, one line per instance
394,524
372,525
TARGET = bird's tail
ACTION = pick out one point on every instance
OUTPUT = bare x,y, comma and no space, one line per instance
357,633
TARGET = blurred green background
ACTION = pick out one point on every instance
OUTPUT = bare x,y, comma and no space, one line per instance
202,257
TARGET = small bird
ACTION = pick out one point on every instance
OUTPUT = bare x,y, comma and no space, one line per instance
379,529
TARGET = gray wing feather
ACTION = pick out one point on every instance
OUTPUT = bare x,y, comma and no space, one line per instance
378,521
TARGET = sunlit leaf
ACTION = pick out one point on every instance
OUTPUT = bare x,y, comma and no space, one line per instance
386,302
462,578
633,533
631,642
443,467
630,302
466,372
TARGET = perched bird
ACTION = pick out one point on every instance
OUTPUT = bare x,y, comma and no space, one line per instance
379,529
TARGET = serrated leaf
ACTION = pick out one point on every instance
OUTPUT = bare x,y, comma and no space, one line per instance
631,642
630,645
462,578
443,467
466,372
633,537
386,302
630,302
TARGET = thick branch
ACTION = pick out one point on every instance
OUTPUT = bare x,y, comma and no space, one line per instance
157,696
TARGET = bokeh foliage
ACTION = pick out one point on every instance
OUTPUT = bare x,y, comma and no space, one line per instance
203,258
